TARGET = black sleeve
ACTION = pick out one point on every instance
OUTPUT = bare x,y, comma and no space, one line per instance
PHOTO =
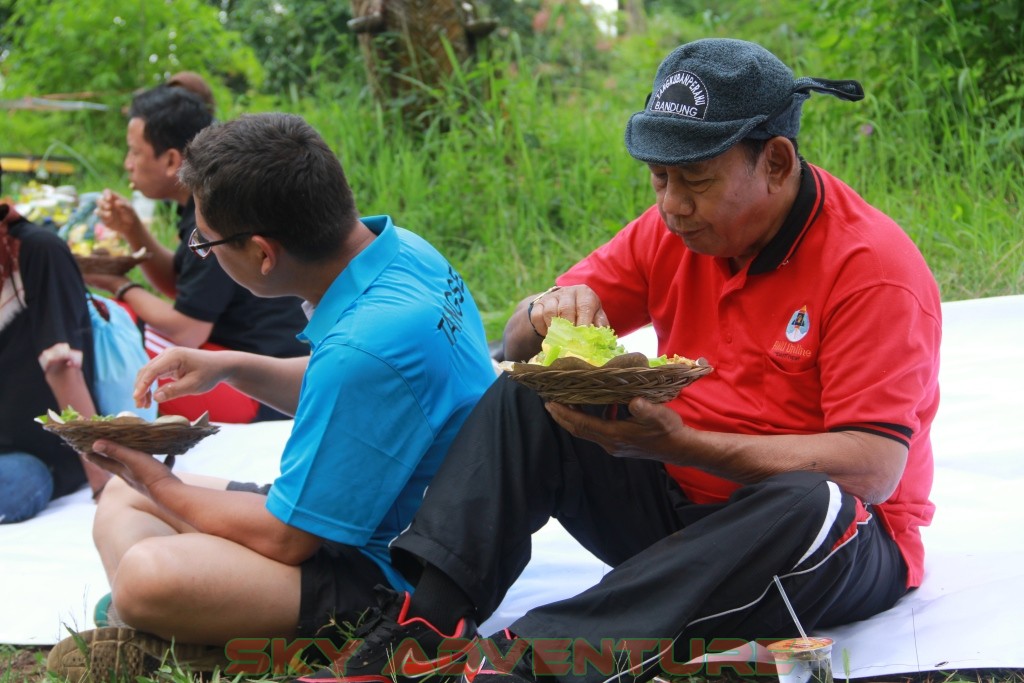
204,290
53,283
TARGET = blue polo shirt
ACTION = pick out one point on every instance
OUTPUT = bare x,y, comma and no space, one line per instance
399,358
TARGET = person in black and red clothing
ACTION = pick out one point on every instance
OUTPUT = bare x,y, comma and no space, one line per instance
46,363
208,309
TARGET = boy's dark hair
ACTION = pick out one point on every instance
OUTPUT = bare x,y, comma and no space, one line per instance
274,175
172,115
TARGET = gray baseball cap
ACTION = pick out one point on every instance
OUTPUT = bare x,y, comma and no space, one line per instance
711,93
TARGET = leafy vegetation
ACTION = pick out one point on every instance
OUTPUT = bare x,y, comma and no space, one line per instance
519,168
103,53
299,44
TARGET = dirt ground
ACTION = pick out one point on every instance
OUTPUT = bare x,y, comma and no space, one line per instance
23,665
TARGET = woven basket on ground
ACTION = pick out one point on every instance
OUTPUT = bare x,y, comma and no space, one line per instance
157,439
574,381
109,265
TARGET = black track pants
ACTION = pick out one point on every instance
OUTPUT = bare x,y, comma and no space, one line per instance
680,570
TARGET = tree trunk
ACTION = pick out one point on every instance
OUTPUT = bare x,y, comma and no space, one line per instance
636,17
403,45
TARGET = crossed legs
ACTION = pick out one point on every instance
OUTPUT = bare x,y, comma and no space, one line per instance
169,579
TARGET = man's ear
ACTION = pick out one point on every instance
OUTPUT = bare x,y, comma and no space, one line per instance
270,253
173,159
781,161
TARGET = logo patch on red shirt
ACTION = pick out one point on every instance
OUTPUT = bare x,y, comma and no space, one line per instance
796,329
799,325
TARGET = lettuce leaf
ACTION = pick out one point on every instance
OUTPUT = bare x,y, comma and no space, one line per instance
595,345
68,415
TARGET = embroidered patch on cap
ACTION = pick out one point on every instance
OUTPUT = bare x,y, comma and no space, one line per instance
682,94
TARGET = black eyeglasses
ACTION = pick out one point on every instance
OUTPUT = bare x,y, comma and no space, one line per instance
204,249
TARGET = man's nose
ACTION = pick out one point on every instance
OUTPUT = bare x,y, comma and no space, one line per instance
678,201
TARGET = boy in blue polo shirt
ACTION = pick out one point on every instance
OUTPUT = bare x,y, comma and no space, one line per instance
398,359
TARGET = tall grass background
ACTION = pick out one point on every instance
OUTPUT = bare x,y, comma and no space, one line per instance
519,189
517,174
518,168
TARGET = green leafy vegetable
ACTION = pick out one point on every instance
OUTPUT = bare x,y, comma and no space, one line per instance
69,414
595,345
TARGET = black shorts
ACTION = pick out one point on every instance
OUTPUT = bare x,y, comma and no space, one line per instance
336,587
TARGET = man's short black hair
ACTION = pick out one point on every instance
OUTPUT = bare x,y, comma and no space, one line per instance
172,116
271,174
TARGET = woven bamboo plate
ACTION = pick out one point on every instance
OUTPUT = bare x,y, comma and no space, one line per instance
99,264
149,437
570,380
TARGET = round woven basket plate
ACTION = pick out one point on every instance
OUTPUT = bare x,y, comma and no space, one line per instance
155,439
608,385
108,265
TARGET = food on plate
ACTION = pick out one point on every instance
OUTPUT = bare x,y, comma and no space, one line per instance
87,235
45,204
589,343
69,414
595,346
96,240
170,435
125,417
171,420
585,364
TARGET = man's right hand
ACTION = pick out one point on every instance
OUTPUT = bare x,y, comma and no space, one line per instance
527,327
578,304
117,213
190,371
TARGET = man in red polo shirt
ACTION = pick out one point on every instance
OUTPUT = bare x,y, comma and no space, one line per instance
805,455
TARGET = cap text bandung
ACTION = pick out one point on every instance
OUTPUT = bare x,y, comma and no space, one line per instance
690,100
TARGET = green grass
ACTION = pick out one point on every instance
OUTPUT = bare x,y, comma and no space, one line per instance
517,177
521,187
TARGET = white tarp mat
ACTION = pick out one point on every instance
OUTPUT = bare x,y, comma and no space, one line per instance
965,615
